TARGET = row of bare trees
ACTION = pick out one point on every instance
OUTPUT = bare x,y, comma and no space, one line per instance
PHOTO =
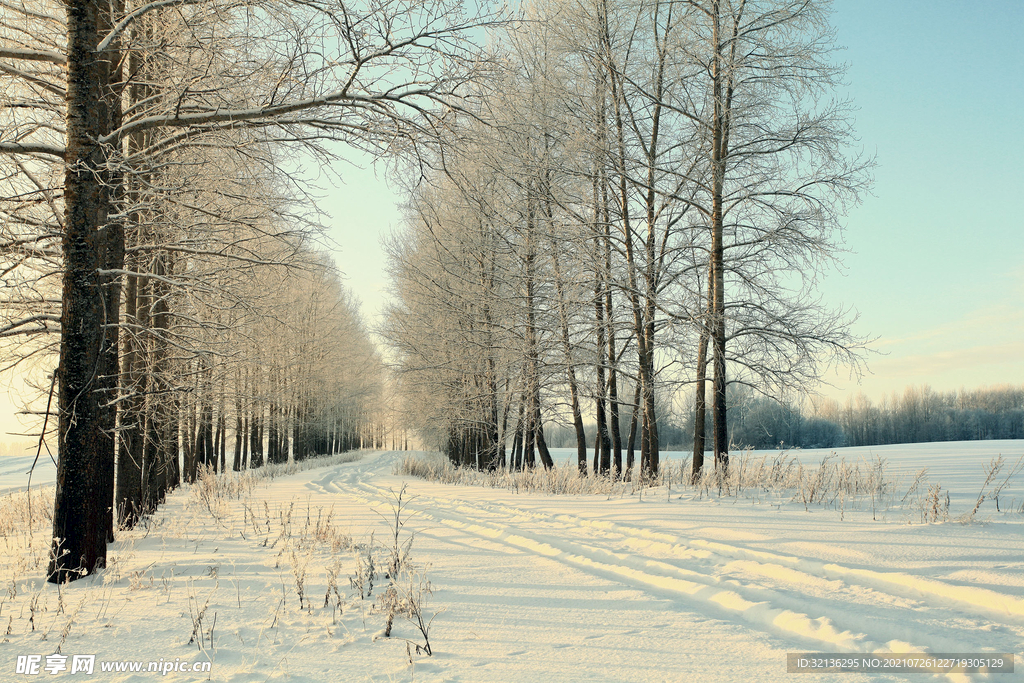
917,414
641,201
920,414
151,241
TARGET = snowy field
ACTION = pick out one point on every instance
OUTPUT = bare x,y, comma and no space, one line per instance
670,585
14,471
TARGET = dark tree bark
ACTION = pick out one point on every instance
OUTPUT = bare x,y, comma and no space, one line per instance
700,392
186,418
236,460
88,370
209,442
602,446
613,360
502,436
255,439
529,438
570,366
517,442
631,441
542,445
222,431
130,452
613,392
722,91
174,443
245,443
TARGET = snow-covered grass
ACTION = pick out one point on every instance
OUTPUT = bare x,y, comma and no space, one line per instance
833,480
233,570
26,522
295,577
564,480
771,474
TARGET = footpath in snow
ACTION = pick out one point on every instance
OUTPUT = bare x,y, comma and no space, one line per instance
525,587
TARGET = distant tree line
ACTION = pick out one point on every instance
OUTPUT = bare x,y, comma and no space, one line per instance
763,423
920,414
916,415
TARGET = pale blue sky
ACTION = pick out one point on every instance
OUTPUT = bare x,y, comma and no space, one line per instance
936,258
937,262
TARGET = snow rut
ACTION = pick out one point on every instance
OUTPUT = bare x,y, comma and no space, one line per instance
703,573
979,601
666,580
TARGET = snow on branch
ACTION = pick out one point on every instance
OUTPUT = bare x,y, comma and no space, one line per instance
33,55
32,148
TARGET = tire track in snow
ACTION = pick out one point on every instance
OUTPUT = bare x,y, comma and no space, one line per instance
670,581
982,602
766,609
726,598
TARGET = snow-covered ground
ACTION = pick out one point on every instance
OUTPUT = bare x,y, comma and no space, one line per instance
667,586
14,472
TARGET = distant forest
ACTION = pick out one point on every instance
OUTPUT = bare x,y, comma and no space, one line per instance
916,415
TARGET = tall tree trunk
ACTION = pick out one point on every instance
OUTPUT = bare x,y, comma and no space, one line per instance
613,388
160,412
631,443
186,417
255,444
570,366
602,445
652,456
542,445
273,424
206,426
531,397
700,392
261,426
222,430
517,441
155,465
88,369
503,435
719,155
246,464
174,443
130,452
529,435
649,458
144,382
236,461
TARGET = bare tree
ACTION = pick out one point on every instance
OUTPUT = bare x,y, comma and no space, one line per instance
774,178
686,160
